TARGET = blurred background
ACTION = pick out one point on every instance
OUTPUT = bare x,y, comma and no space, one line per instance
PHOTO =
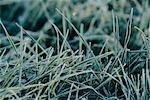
93,17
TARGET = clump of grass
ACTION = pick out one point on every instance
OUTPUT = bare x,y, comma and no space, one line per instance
37,72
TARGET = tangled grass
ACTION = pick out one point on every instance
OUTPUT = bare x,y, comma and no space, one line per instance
64,58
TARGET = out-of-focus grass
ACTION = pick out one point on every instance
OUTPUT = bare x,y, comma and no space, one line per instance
96,15
75,49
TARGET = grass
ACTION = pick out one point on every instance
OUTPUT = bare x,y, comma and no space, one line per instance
68,57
